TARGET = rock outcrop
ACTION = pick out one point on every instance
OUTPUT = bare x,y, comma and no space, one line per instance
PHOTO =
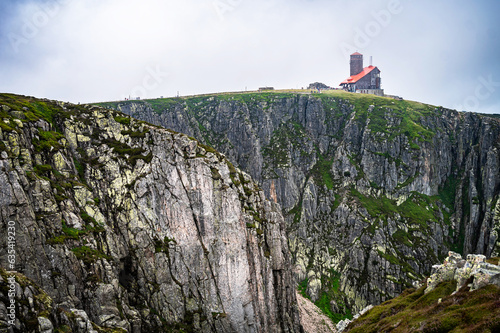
444,302
474,271
342,325
124,226
373,189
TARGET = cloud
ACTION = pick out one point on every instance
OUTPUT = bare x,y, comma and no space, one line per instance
86,51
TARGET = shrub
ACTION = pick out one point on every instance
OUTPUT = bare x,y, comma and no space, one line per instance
122,120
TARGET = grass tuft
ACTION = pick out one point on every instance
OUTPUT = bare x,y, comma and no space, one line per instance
412,311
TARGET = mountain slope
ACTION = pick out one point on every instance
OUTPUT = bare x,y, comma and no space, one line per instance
123,225
374,191
461,296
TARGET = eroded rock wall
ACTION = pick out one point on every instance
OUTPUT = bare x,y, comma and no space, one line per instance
374,191
142,228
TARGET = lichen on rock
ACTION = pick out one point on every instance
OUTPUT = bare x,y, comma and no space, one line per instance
376,189
125,227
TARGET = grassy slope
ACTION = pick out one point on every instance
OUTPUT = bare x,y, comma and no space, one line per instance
414,311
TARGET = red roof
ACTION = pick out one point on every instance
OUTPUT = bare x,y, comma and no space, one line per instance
356,53
357,77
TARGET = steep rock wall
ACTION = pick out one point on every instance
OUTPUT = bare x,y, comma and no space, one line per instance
374,191
140,227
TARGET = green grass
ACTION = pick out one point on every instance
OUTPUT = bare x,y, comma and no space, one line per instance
75,234
122,120
209,149
414,311
48,141
233,174
34,109
302,288
402,237
45,111
88,219
376,207
194,103
42,169
332,107
89,255
408,181
51,136
8,127
330,292
80,169
164,104
418,212
418,209
72,232
337,202
322,172
409,114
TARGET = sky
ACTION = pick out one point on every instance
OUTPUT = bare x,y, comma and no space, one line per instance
441,52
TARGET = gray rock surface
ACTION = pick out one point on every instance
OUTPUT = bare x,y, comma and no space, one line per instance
125,226
342,325
374,189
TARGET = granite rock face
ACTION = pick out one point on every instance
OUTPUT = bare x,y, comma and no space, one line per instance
474,270
125,226
374,191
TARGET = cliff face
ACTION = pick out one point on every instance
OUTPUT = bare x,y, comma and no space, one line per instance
374,191
137,227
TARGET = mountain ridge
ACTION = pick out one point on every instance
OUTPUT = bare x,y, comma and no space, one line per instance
375,189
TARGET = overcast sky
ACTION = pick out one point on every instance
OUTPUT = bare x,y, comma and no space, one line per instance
443,52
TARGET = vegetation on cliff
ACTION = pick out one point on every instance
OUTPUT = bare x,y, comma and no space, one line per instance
126,226
440,310
461,295
373,188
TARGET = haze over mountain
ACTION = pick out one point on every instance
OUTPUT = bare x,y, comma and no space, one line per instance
437,52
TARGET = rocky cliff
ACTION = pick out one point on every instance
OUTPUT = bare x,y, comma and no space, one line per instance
374,191
123,226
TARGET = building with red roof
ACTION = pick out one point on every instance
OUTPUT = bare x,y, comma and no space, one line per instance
363,79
